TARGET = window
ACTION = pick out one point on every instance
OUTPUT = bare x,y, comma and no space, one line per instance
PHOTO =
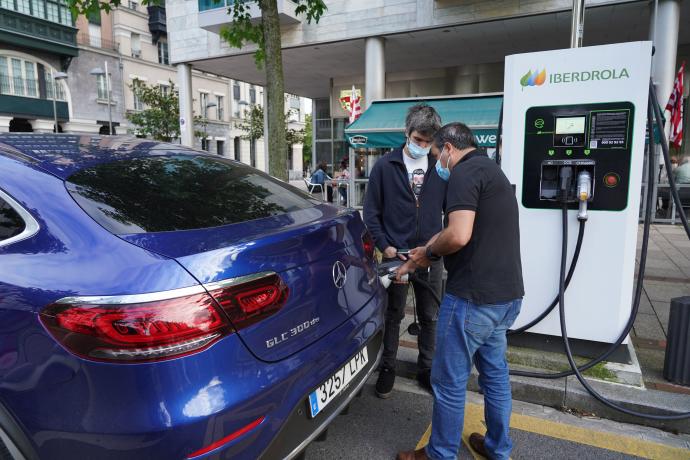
102,87
220,107
204,144
18,77
136,45
252,95
5,86
133,5
220,147
165,89
23,6
179,192
236,91
39,8
95,35
237,149
65,16
53,12
138,103
60,96
163,57
11,223
252,153
203,104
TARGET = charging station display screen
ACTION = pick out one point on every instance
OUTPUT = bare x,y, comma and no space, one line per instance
609,129
570,125
570,132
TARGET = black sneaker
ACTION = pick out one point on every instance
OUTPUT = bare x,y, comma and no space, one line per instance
384,385
424,379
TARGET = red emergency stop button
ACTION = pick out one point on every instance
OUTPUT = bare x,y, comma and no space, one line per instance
611,180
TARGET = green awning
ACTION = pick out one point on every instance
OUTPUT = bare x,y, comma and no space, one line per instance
382,125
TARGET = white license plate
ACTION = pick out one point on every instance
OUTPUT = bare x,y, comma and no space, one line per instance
334,385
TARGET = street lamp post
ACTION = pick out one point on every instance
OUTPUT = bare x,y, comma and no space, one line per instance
55,76
205,141
99,71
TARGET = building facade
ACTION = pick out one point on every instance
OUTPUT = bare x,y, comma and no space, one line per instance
417,48
131,43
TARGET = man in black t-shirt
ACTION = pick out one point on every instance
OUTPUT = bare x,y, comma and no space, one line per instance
481,248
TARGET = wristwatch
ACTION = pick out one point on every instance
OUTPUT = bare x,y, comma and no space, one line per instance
430,255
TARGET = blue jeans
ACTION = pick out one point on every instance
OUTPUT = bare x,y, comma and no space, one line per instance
465,332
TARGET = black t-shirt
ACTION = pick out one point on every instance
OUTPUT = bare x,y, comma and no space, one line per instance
488,270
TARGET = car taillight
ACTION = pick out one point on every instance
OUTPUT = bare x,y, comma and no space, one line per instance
368,243
248,300
136,328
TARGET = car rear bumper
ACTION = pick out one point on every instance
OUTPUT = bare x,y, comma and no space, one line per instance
299,429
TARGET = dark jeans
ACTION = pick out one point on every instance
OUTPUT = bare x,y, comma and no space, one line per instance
427,313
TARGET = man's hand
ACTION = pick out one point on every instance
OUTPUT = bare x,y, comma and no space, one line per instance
391,253
418,256
407,267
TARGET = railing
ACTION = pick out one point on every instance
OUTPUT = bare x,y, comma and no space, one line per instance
83,38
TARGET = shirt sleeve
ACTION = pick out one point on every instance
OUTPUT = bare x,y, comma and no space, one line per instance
464,188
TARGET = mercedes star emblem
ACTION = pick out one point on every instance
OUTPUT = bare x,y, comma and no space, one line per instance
339,274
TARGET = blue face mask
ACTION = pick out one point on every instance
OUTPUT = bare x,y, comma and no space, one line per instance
416,151
443,173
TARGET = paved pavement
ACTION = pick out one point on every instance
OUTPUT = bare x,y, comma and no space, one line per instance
376,429
667,276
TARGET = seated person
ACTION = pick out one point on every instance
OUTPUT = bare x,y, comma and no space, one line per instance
320,177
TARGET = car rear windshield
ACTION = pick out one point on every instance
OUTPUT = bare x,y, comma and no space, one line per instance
180,192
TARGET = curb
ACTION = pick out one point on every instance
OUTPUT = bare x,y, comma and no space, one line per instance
568,392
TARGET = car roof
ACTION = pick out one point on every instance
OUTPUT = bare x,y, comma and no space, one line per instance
64,154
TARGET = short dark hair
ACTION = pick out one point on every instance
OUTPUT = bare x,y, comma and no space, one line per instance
456,134
422,118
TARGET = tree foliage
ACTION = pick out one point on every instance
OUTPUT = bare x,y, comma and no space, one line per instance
160,118
243,31
253,126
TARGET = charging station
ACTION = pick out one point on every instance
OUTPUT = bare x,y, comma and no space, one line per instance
583,112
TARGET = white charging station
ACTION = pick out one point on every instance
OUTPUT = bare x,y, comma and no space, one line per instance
584,107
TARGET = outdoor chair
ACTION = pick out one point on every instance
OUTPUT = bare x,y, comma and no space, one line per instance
312,186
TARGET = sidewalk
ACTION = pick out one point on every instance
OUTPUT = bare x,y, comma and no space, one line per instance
667,276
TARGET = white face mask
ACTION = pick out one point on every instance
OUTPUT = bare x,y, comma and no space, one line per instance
416,151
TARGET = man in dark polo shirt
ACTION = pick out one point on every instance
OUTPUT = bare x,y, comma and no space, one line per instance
481,248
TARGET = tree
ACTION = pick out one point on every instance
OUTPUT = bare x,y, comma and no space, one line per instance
266,35
253,127
160,117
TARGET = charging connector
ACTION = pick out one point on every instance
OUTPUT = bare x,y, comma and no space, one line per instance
566,175
584,192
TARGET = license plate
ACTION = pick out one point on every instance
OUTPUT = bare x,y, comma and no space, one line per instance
334,385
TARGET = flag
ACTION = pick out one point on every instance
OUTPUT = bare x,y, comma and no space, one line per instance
675,106
355,105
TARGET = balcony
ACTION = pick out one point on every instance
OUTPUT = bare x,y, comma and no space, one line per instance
36,33
213,14
83,38
25,97
157,22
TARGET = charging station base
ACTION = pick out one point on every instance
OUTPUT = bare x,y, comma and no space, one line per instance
584,348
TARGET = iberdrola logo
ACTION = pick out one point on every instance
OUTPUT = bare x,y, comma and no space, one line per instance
533,78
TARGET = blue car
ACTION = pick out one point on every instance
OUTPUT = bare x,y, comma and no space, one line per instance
162,303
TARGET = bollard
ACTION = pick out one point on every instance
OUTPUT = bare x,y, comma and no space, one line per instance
677,358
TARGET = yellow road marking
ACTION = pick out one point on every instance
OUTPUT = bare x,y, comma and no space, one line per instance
474,422
425,438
